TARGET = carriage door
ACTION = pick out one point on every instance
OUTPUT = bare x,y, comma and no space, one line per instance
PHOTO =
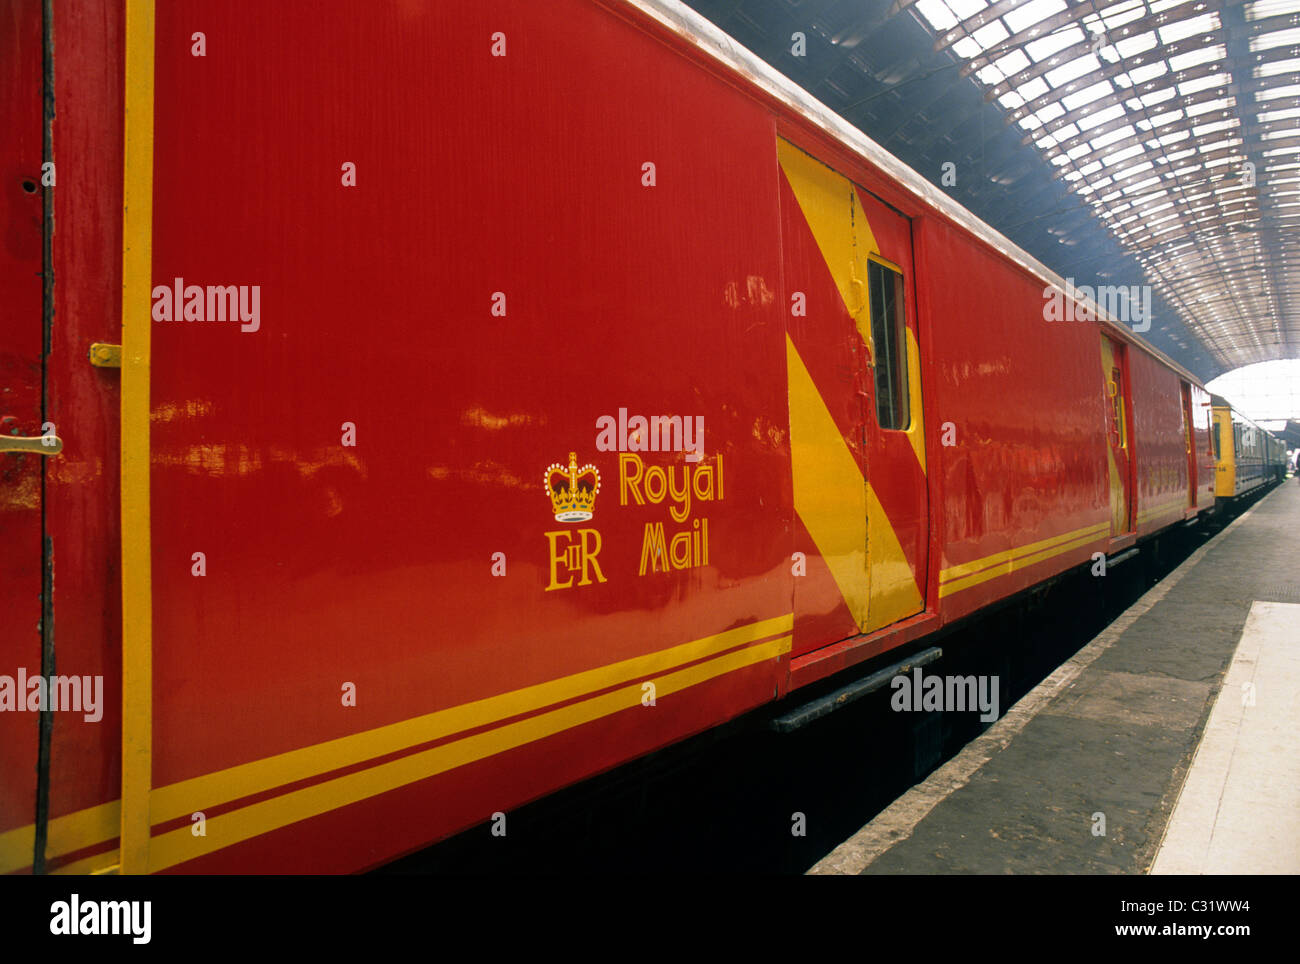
1189,444
856,432
896,496
1119,432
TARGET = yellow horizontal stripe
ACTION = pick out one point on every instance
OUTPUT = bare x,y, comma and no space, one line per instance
97,824
966,568
104,863
212,789
180,845
64,835
1006,568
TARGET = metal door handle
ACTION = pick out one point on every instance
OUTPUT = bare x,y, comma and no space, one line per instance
40,445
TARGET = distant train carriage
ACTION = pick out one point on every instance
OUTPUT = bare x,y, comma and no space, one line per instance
1247,457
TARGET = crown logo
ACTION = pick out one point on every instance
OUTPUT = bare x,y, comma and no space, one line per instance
572,490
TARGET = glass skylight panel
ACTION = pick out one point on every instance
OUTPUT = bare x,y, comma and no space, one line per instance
1219,103
1201,83
1194,57
1120,156
1159,120
1211,146
1012,63
990,34
1159,6
1031,13
1087,95
1276,38
967,47
1101,117
1140,75
1011,100
1050,113
1155,98
964,9
1042,48
1136,45
1073,69
937,14
1112,137
1122,13
1271,115
1269,8
1204,129
1143,185
1033,89
1206,23
1277,67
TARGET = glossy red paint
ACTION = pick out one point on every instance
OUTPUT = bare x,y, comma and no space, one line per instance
371,564
1025,398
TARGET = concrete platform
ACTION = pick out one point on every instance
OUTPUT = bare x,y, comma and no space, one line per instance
1179,727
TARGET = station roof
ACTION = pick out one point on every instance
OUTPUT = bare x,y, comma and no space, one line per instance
1120,142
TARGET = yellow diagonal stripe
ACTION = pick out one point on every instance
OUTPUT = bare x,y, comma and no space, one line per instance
894,593
835,217
830,493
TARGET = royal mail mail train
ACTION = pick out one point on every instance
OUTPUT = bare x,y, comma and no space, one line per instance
416,409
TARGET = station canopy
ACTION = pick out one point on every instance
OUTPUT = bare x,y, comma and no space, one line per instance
1122,142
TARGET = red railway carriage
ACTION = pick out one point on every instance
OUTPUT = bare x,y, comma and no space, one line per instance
506,390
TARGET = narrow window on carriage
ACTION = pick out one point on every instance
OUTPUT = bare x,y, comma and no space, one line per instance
889,337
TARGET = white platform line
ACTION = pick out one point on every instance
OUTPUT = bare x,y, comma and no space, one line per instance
896,823
1239,809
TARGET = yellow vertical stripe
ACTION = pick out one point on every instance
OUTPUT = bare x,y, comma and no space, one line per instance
916,433
137,593
1118,500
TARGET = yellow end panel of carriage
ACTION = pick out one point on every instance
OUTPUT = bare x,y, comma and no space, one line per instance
1225,465
824,486
1114,423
